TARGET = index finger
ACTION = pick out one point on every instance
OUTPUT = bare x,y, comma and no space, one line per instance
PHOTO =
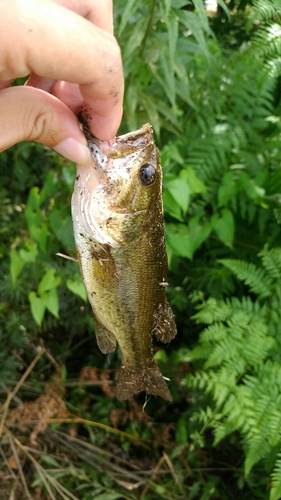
54,42
97,12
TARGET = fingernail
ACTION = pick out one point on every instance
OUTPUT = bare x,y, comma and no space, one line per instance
74,151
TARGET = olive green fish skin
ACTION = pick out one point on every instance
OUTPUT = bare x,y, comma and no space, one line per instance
119,233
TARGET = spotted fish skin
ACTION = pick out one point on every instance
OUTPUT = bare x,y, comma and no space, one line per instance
118,226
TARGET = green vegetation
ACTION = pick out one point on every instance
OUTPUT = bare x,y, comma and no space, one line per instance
210,86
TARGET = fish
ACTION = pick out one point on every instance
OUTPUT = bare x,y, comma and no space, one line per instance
118,224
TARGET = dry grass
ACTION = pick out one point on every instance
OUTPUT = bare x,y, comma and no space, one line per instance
39,461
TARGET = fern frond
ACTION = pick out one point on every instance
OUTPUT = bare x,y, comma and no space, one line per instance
264,10
214,333
275,492
251,275
271,261
259,449
220,310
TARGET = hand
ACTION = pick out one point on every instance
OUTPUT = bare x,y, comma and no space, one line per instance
68,49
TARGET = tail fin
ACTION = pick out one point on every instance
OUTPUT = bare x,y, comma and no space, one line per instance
131,381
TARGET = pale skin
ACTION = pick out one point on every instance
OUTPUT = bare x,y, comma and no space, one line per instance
68,50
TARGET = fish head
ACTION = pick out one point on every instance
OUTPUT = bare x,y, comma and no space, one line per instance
124,187
133,172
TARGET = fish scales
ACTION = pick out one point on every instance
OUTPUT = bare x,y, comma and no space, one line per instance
119,234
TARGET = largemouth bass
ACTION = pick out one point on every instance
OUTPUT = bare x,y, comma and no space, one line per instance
119,233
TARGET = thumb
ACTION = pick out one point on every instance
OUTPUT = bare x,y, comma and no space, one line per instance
30,114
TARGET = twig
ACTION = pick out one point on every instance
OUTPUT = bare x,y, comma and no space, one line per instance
44,481
18,385
92,448
67,257
171,467
44,475
154,475
8,466
20,468
78,420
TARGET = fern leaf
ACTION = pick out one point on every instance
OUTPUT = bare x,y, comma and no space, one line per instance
275,492
264,11
251,275
272,262
259,448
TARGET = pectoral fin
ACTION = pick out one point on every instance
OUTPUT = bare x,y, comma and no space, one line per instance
164,327
105,339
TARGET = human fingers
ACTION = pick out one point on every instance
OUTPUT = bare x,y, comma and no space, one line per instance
40,82
100,14
5,83
70,94
29,114
91,59
97,12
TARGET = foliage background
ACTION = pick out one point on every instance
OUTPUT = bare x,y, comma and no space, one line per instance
210,86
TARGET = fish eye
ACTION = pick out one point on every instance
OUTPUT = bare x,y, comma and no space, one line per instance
147,174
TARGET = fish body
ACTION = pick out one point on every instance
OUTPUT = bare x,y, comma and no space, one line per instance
119,233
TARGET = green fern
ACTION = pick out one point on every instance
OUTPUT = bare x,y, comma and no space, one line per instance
242,369
275,492
253,276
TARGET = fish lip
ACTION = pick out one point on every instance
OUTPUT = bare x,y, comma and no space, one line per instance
124,144
100,159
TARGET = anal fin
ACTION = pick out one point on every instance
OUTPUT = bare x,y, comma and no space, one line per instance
105,339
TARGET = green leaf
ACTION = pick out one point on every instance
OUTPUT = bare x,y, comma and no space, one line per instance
50,187
51,301
227,189
173,31
33,217
275,491
224,7
49,281
40,233
185,240
161,356
201,13
135,39
195,184
50,461
152,112
17,264
30,254
171,207
190,21
167,4
77,287
255,277
224,226
63,375
128,12
168,82
63,229
69,175
37,307
34,201
181,432
179,189
178,238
